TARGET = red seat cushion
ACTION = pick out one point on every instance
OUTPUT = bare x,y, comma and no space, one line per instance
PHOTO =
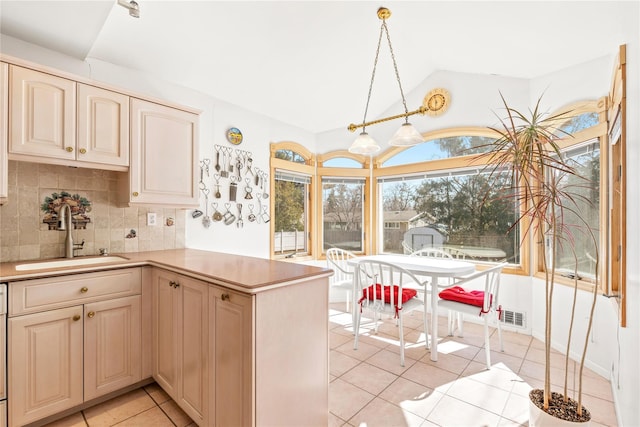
371,294
459,294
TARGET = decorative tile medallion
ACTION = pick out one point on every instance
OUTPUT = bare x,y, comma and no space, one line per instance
80,206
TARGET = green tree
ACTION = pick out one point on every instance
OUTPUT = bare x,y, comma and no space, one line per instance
289,206
343,203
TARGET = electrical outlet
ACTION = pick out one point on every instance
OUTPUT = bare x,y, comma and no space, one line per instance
151,218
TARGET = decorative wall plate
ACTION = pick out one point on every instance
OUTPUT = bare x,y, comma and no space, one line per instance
234,136
437,101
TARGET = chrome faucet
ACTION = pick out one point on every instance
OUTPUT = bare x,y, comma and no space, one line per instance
65,224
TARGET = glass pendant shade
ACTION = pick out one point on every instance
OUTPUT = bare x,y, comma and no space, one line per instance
405,136
364,144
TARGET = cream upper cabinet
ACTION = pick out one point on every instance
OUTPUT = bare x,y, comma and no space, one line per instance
56,120
164,156
103,126
43,119
4,130
180,340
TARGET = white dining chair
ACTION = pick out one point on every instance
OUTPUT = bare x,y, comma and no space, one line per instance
485,303
387,289
431,253
342,272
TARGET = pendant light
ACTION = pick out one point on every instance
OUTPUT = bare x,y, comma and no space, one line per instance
407,134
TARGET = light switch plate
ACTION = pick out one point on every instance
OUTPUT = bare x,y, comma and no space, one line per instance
151,218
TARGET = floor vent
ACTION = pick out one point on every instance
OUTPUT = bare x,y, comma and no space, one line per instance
513,318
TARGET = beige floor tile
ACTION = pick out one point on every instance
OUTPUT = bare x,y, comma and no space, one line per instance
501,378
177,415
157,393
339,363
369,378
500,360
336,339
345,399
602,411
380,413
74,420
450,362
536,370
119,409
512,337
430,376
151,417
479,394
596,386
390,361
413,397
364,351
517,409
335,421
454,412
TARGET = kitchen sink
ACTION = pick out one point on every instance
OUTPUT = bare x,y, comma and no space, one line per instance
68,262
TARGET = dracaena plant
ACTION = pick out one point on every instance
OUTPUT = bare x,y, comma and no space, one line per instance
549,190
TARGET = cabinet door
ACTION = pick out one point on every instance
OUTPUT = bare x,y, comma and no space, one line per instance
4,130
111,345
103,126
231,352
165,331
45,364
164,143
194,333
42,119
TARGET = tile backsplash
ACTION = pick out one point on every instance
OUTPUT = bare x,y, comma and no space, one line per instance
24,235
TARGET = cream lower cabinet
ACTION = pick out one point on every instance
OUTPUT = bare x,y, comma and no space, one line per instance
235,359
180,340
62,357
45,364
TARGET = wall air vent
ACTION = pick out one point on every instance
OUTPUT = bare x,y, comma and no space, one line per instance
513,318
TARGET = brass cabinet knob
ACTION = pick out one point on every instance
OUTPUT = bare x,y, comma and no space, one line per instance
226,297
69,149
84,290
91,314
174,284
135,194
76,317
83,151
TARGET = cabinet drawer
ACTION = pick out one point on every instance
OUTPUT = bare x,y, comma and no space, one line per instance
31,296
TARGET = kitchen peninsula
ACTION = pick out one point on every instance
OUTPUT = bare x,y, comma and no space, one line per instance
234,340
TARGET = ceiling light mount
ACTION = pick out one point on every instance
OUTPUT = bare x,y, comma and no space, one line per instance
132,5
407,134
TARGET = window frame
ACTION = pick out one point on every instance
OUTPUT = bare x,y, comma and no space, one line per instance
362,172
307,168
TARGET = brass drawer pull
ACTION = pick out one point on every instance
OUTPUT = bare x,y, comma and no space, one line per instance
83,151
69,149
76,317
84,290
174,284
226,297
91,314
135,194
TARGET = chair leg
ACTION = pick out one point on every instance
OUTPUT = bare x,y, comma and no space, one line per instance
450,322
460,325
427,343
401,333
499,332
356,330
487,349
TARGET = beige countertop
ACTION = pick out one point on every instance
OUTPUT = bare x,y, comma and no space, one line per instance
243,273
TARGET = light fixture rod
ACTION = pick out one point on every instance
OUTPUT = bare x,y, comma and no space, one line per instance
422,110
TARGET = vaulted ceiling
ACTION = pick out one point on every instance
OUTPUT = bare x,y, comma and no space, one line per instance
309,63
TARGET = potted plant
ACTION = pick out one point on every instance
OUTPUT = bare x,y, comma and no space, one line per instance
551,194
